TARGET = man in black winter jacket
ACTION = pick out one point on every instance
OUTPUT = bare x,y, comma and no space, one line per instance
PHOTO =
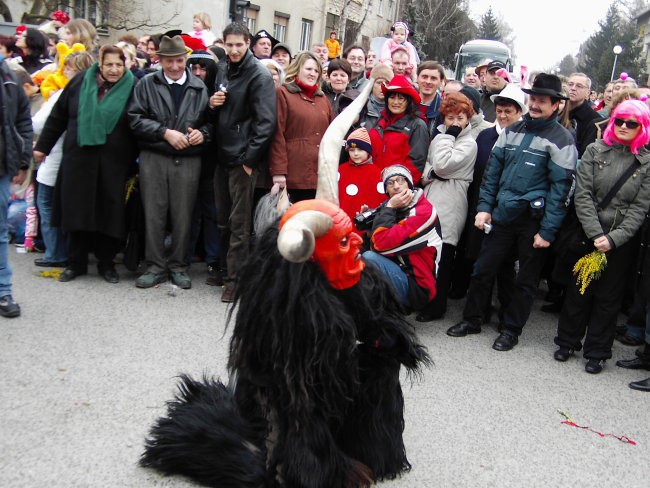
580,112
245,116
16,136
168,114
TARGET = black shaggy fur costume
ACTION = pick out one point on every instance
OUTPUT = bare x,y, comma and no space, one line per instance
316,400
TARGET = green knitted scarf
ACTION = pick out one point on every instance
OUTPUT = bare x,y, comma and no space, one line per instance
98,119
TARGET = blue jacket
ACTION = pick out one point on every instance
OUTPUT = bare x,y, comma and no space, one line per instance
533,158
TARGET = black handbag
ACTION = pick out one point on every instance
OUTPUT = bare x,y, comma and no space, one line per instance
571,239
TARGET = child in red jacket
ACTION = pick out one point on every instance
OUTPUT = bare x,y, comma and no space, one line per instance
359,179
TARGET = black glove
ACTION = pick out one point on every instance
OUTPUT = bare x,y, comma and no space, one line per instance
453,131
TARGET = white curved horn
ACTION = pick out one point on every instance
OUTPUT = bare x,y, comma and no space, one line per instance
330,146
297,238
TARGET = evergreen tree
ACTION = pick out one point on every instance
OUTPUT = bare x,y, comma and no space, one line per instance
567,65
489,27
596,57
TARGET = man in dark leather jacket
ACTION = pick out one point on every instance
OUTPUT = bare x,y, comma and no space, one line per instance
168,115
245,115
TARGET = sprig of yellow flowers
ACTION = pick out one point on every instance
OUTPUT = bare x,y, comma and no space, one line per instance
589,268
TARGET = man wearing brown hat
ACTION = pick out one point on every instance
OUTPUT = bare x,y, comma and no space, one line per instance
522,202
168,115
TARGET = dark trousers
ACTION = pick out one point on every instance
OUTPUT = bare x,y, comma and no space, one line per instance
498,246
595,312
204,218
299,195
169,186
233,190
81,243
438,306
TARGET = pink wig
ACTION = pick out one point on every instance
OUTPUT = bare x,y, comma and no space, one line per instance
625,110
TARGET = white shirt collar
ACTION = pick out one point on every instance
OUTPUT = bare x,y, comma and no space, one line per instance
180,81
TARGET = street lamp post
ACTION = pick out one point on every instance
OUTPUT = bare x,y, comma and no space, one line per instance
617,50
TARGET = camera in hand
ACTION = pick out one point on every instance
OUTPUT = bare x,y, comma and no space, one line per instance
364,220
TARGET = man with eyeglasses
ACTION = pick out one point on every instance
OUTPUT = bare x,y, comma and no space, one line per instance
522,203
356,56
581,112
406,239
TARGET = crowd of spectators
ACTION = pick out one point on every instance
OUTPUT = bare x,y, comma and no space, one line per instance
481,171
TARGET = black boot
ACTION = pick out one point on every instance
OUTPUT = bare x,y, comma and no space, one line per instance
641,361
643,385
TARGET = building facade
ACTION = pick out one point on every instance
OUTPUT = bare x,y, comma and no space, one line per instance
298,24
302,24
643,24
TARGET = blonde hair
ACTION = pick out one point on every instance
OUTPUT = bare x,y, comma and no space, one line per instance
204,19
79,61
296,65
82,32
129,50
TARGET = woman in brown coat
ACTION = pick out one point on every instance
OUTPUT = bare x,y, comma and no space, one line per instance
304,113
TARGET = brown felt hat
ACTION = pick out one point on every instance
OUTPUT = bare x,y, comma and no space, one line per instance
171,46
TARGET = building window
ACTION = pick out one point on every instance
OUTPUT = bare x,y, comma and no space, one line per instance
94,11
380,8
305,34
331,23
280,23
250,19
391,9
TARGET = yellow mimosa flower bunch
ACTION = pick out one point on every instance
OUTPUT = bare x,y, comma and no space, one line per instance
589,268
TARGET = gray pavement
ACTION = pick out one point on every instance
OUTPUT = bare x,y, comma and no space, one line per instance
88,366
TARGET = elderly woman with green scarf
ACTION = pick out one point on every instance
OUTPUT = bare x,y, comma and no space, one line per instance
99,153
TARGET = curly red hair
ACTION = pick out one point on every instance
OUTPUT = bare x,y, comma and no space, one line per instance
456,103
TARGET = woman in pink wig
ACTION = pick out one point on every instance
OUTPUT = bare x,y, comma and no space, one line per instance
611,201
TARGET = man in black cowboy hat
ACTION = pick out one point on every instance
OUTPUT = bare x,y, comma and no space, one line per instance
168,114
521,206
262,44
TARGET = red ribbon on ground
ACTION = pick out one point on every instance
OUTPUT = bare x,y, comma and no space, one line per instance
569,421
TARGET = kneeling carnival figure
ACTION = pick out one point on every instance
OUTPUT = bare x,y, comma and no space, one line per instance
314,399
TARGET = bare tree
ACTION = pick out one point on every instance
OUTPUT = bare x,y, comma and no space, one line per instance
439,27
113,14
5,12
350,19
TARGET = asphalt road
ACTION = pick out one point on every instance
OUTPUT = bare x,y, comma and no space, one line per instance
88,367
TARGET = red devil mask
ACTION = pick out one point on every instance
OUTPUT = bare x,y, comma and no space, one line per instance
336,251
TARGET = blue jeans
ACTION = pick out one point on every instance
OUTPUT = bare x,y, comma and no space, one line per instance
5,268
53,237
391,270
647,328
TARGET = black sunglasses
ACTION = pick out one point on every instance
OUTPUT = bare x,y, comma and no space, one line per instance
630,124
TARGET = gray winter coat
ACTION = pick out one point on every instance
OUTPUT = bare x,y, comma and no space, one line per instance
447,174
600,168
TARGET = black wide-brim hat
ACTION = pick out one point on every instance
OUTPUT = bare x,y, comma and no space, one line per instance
262,34
546,84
